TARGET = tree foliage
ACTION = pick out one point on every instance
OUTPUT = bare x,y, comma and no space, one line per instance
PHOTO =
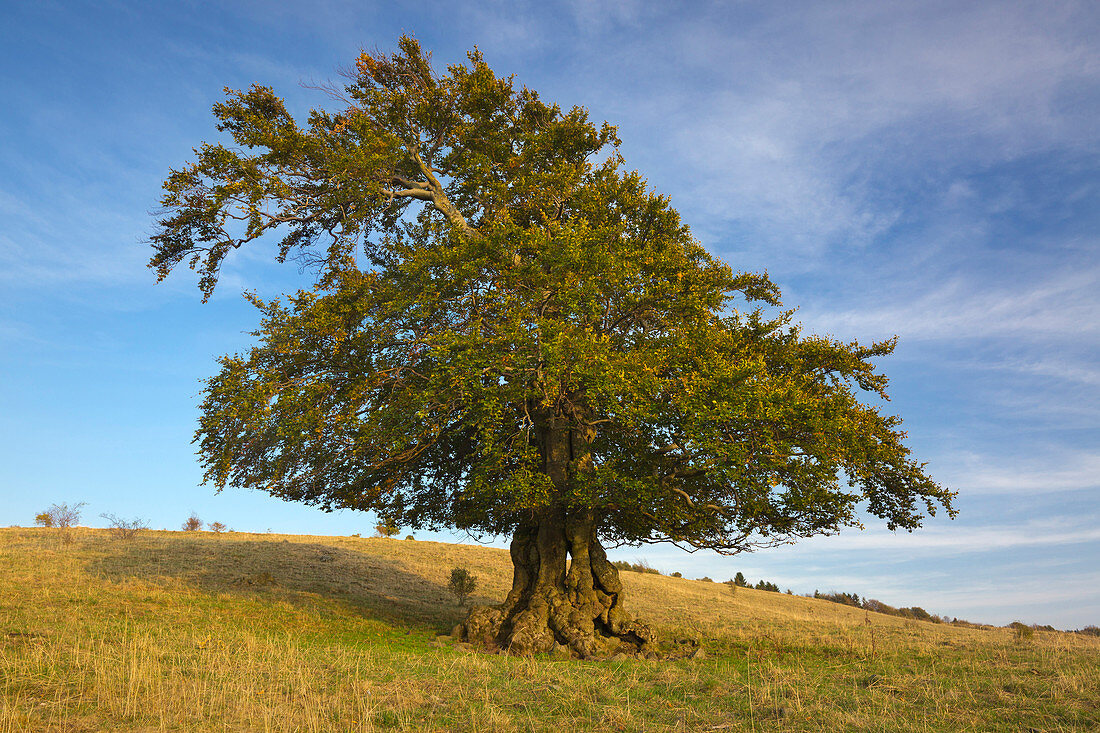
507,324
462,583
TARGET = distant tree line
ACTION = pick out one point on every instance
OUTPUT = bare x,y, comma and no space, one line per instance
877,606
739,581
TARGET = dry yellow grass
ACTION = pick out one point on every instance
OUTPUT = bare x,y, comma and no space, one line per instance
196,631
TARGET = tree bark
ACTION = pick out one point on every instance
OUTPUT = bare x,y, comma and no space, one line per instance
565,593
552,605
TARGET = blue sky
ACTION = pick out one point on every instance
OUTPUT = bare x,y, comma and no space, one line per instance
923,169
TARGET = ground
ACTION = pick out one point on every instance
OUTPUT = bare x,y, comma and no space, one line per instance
197,631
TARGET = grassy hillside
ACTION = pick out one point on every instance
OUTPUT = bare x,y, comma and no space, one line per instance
197,631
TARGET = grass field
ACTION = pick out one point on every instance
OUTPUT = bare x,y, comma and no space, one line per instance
243,632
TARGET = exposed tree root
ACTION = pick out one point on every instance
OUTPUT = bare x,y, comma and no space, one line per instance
576,609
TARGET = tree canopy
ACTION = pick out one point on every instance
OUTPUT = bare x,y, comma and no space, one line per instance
507,325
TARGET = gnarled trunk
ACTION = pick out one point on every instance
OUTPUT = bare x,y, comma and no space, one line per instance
552,605
564,593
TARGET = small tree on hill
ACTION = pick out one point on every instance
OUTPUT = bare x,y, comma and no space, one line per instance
739,580
192,523
462,583
124,529
61,516
511,333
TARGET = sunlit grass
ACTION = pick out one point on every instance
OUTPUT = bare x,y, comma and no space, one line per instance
196,631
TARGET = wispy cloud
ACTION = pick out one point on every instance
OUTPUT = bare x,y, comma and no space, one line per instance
1060,305
797,128
1056,469
947,540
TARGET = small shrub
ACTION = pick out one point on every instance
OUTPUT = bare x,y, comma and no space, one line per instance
636,567
192,523
872,604
124,529
409,537
462,584
62,517
706,579
677,574
1090,630
1021,630
918,613
216,527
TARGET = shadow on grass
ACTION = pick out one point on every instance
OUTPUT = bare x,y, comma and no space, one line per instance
370,584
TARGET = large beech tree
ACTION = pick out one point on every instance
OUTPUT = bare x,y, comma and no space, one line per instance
512,334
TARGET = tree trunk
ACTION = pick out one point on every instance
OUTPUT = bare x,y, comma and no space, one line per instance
551,606
564,593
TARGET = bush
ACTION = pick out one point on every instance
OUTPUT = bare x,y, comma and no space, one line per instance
61,516
1090,630
677,574
216,527
706,579
918,613
878,606
409,537
1021,630
462,584
192,523
124,529
637,567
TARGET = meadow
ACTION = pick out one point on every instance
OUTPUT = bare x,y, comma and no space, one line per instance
264,632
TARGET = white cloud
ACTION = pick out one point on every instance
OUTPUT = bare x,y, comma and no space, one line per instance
1061,305
1053,470
945,540
788,124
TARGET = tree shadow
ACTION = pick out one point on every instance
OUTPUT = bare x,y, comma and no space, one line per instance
301,574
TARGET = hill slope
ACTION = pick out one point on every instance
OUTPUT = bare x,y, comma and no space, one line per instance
198,631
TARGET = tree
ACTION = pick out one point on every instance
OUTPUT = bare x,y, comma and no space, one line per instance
62,515
462,584
739,580
124,529
510,333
